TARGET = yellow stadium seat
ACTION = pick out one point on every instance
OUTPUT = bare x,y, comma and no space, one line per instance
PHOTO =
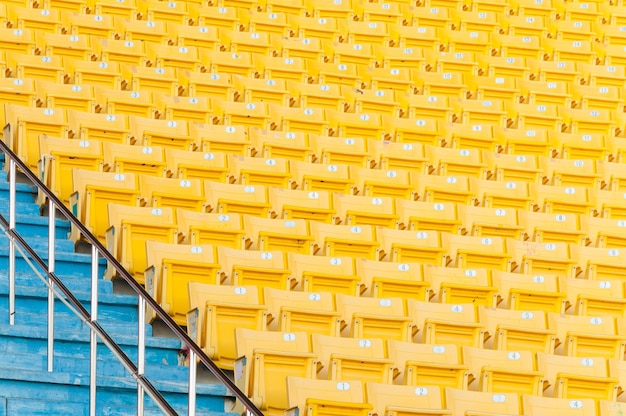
122,51
466,41
245,42
427,15
544,92
171,12
68,96
365,125
554,71
216,311
522,46
569,50
166,133
17,40
344,240
417,36
530,141
500,194
502,371
616,146
392,400
387,156
258,171
475,252
581,146
130,228
435,188
228,139
210,84
598,97
67,46
171,267
550,228
612,55
594,297
260,90
510,168
277,234
521,25
534,116
589,121
59,157
122,158
568,172
364,210
428,364
161,80
198,228
389,57
193,36
184,164
305,95
338,150
469,20
175,56
373,318
616,370
323,274
451,162
253,268
125,102
295,311
477,113
309,49
537,258
577,377
171,192
267,357
41,67
585,336
301,204
17,91
506,66
242,114
371,101
226,62
381,183
417,106
597,263
413,131
273,67
517,330
391,279
478,132
388,13
360,359
410,246
324,28
445,323
93,191
601,75
279,144
218,17
88,24
486,221
320,177
450,84
561,199
452,285
197,109
240,199
492,89
326,398
608,204
358,53
125,8
418,215
340,9
48,21
463,402
27,124
543,406
521,291
105,74
603,232
148,31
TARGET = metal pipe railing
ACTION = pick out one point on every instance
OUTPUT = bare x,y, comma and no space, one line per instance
91,319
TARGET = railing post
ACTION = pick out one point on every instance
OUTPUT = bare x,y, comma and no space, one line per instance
51,269
12,180
192,383
141,352
93,352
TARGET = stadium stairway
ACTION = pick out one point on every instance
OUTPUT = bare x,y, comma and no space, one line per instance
27,388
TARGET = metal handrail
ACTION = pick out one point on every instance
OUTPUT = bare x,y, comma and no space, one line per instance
195,352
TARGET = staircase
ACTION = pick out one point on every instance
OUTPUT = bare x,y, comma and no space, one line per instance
28,388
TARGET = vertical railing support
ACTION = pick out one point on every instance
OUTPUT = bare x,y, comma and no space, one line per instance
192,383
141,353
12,180
51,269
93,352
